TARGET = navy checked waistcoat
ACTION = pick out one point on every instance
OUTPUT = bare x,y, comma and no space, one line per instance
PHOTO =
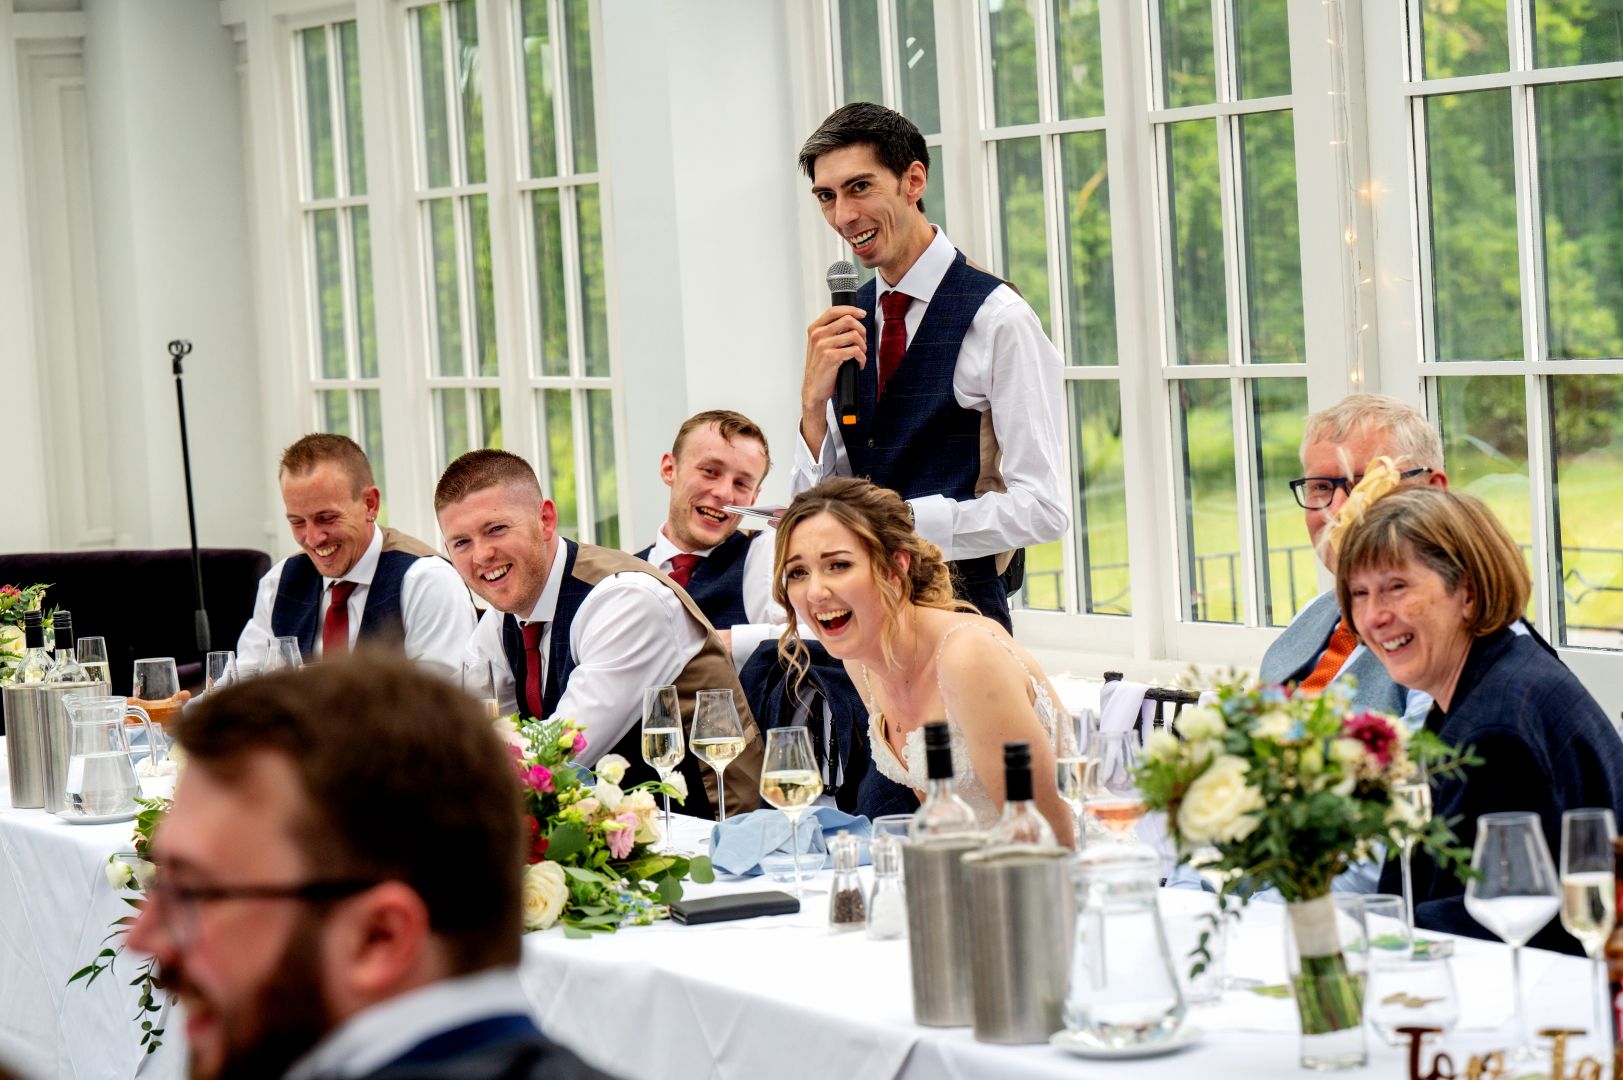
298,601
717,584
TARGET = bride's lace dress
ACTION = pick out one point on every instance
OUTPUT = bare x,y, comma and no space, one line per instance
911,772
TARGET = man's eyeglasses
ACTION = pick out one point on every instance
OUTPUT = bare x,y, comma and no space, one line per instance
1318,492
179,906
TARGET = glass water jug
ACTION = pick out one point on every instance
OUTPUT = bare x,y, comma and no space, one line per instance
101,779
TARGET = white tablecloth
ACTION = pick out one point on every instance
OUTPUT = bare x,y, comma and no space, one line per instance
777,997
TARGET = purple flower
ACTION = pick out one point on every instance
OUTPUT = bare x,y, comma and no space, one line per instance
539,778
621,840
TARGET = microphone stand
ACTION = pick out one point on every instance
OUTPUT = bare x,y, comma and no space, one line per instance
200,617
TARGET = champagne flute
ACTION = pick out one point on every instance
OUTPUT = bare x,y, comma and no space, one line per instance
285,654
92,653
1415,797
1114,800
219,669
790,780
1514,895
1589,890
1073,765
479,683
718,737
662,746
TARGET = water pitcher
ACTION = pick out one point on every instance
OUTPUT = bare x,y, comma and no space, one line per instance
101,781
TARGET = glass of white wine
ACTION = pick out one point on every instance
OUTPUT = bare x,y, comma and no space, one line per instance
790,780
662,746
1415,797
1073,765
718,737
1589,891
479,683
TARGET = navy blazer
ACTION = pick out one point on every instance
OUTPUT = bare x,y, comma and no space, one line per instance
495,1048
1545,745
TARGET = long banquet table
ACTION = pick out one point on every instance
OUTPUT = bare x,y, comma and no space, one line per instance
780,997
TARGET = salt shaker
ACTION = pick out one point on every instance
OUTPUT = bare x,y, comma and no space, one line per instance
847,907
887,904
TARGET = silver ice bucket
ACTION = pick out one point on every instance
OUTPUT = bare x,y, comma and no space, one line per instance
1021,917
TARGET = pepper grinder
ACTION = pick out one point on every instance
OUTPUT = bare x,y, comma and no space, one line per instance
847,906
887,903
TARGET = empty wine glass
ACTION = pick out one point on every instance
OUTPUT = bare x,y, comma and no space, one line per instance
662,744
219,669
1589,891
92,654
285,655
1114,800
1514,895
479,683
718,737
790,780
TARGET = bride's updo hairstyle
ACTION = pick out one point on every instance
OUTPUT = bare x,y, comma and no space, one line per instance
883,524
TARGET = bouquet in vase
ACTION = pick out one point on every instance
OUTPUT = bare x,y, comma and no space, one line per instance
592,863
1267,789
13,603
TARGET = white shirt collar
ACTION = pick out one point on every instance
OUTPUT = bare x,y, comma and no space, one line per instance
547,606
664,548
376,1036
924,276
366,567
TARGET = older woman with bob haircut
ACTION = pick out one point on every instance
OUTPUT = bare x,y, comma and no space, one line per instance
879,598
1433,585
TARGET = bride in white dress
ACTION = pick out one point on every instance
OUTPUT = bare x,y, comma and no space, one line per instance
879,598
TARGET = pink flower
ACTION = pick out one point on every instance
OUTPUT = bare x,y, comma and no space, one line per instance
9,590
580,742
539,778
622,839
1375,732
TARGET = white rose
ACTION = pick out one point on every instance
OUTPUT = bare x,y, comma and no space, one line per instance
612,767
641,802
1162,745
119,872
1276,724
545,891
679,786
609,794
1201,722
144,872
1347,751
1217,807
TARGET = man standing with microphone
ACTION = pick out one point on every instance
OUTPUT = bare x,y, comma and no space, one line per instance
958,403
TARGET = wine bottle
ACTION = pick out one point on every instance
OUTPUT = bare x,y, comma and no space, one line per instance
65,668
36,661
1020,823
942,813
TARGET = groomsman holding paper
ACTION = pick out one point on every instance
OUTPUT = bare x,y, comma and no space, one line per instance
719,459
576,630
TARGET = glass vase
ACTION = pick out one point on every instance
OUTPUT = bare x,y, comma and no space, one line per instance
1326,953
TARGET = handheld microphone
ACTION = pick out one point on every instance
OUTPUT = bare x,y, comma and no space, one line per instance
842,291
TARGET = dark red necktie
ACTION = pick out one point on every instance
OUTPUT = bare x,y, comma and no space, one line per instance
682,564
893,335
532,667
335,627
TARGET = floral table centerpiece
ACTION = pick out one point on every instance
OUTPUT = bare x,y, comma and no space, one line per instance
14,602
1271,790
592,863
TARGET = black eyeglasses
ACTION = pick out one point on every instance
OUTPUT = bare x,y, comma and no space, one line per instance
179,905
1318,492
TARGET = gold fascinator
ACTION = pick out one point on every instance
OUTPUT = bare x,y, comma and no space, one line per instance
1380,479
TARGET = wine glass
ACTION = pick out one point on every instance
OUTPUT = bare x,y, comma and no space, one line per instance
1415,797
1073,764
92,654
479,683
1514,895
219,669
790,780
718,737
1114,800
662,745
156,688
1589,890
285,655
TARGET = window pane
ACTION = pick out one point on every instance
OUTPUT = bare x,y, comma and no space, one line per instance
349,73
1079,64
538,89
318,114
552,328
594,316
369,431
1586,423
1289,567
1262,46
490,418
1014,62
1580,161
451,424
484,302
558,436
468,96
605,486
334,406
916,51
1464,37
1273,252
365,318
935,196
1101,504
1483,419
861,76
447,299
334,363
1477,306
578,57
1044,587
1199,297
1204,426
1566,33
1022,224
1089,275
1188,71
431,96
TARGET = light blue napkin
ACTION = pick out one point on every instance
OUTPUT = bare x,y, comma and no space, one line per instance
738,844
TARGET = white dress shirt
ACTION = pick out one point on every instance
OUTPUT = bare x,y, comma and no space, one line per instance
766,619
630,633
434,606
1008,365
376,1036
